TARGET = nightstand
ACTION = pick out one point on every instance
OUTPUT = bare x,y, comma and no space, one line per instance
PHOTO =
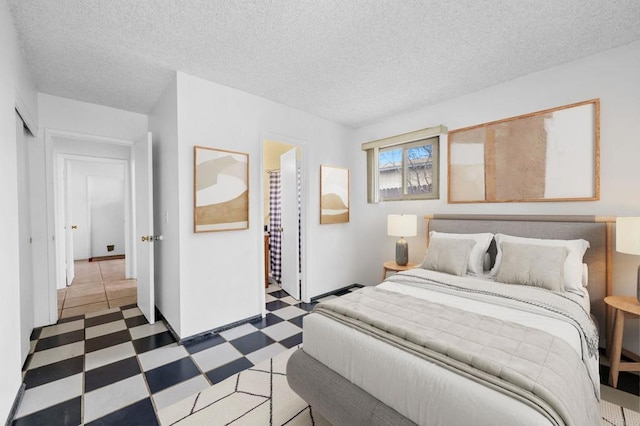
393,266
623,306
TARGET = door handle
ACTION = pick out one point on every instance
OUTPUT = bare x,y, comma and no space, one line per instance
147,238
74,226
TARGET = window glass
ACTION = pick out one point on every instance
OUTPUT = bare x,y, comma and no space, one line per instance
390,174
419,170
406,171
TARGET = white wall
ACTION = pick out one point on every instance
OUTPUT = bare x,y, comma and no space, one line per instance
221,276
12,67
82,117
106,201
612,76
79,171
163,124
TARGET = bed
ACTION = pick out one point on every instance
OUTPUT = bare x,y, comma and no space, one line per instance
447,348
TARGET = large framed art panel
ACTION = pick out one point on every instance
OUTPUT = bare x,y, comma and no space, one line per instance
550,155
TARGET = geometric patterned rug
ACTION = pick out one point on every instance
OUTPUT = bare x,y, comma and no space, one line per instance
261,396
257,396
619,416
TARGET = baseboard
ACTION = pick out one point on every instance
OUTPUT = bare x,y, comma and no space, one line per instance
16,404
313,299
181,341
217,330
99,258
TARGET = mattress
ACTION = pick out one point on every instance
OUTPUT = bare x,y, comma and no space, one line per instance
417,388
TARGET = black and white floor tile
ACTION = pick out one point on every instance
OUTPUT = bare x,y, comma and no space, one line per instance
112,367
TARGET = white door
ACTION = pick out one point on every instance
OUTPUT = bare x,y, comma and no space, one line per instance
68,224
289,223
143,177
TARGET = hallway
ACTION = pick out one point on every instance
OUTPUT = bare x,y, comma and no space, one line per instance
97,286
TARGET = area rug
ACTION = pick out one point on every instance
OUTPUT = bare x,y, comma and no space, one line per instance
257,396
261,396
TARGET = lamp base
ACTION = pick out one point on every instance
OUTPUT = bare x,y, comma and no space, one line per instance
402,252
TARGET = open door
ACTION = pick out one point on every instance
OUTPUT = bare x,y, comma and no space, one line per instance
289,220
143,176
68,226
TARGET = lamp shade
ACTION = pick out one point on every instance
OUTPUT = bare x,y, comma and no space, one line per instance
628,235
402,225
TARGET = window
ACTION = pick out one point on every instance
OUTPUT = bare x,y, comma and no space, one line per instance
404,167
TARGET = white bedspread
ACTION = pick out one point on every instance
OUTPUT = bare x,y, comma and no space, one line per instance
420,390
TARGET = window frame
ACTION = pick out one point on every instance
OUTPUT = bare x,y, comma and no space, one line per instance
405,141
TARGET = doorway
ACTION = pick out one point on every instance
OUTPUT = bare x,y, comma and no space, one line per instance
283,221
94,209
135,156
94,225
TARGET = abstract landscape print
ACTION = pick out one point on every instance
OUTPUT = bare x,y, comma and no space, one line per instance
221,190
334,195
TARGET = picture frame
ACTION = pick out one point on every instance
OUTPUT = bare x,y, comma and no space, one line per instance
221,190
549,155
334,195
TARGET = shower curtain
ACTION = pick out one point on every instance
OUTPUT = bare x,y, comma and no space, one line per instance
275,236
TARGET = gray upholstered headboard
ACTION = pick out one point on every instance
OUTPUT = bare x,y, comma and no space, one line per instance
596,230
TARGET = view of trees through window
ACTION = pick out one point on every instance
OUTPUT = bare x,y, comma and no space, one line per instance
405,171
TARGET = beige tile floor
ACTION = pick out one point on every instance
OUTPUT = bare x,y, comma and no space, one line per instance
96,286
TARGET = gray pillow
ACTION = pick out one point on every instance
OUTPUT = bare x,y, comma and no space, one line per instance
448,255
538,266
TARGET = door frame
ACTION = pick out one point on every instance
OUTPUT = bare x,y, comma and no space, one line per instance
55,244
304,202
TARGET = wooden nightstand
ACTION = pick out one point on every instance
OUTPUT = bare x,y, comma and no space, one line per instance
393,266
623,306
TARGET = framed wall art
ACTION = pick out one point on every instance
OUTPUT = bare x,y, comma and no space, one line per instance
334,195
550,155
221,190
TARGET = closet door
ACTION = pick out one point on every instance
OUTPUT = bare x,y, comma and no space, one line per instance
289,220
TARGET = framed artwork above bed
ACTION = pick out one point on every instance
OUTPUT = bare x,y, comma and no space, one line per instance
550,155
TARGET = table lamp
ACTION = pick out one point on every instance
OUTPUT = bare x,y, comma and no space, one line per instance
402,225
628,240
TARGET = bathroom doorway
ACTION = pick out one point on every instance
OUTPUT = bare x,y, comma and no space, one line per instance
283,221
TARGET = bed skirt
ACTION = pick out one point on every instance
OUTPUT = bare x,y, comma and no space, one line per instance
337,399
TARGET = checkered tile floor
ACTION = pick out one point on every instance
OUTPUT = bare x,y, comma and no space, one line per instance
112,367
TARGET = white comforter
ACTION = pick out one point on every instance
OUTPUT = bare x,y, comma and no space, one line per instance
421,391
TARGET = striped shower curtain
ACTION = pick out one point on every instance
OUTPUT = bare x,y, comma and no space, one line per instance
275,236
275,223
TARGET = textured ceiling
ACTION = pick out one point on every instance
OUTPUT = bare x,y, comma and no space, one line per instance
350,61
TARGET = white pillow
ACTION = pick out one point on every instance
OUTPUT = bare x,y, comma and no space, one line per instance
476,257
573,269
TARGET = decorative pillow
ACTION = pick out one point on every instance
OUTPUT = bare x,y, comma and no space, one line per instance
476,257
448,255
573,264
535,265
